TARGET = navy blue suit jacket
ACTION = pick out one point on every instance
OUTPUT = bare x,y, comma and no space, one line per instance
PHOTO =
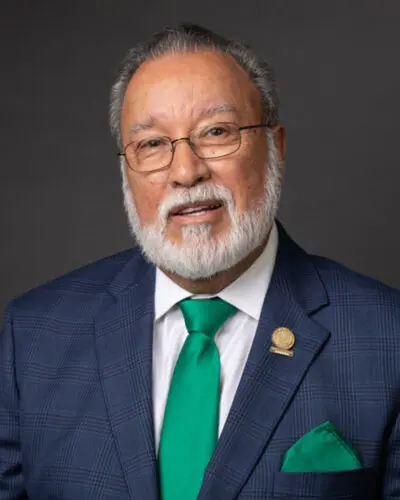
76,386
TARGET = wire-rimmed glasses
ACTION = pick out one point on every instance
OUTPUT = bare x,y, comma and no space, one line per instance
213,141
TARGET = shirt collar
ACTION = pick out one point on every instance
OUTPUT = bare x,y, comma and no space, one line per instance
246,293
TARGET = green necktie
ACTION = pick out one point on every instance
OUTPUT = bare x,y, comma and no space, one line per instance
190,426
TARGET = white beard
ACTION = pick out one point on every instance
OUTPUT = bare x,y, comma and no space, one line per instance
201,255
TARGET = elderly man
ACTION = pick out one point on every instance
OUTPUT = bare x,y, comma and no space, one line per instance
218,360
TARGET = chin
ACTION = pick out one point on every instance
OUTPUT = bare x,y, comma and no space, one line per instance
194,234
194,253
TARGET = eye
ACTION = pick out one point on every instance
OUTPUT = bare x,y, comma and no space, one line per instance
216,131
153,143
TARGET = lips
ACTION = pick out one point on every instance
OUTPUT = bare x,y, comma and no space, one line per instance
195,208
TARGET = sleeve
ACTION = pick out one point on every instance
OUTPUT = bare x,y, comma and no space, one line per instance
11,473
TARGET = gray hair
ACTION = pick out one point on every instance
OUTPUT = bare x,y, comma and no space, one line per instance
192,38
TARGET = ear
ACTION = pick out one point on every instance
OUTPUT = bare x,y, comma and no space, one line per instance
123,170
279,134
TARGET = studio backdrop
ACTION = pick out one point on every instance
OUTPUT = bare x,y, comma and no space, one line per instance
339,79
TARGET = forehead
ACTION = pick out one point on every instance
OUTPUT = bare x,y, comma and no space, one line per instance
181,86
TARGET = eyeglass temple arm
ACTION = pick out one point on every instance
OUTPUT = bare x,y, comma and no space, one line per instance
264,125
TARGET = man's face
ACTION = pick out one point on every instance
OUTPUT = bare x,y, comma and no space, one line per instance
172,96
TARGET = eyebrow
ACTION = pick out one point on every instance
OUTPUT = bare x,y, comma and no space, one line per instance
217,110
138,127
205,113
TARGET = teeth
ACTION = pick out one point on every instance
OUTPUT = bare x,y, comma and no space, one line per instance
198,210
194,214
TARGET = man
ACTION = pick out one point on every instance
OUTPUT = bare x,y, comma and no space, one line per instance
218,360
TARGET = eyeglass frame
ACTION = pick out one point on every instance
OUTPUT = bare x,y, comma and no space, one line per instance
188,139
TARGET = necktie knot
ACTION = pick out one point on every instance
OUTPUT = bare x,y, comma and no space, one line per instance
206,315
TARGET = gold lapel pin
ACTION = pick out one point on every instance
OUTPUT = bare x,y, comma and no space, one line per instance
283,340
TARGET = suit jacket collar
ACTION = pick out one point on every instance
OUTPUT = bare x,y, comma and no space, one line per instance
296,276
124,332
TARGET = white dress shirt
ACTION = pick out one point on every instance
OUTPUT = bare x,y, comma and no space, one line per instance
234,338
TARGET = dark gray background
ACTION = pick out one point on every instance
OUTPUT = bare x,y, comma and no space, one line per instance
338,70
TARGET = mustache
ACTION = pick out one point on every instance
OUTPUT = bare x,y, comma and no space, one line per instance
193,195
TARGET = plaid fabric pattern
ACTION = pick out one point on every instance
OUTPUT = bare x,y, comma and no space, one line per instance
76,390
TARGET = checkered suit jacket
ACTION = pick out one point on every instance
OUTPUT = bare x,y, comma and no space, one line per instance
76,389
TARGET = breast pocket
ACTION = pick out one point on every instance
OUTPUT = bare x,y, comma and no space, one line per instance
349,485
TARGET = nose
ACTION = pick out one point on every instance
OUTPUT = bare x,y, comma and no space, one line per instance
186,168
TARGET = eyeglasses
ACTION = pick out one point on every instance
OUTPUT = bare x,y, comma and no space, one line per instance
213,141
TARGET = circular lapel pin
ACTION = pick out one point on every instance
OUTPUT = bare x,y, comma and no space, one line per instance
283,340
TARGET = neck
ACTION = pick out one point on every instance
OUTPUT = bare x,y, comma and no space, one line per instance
219,281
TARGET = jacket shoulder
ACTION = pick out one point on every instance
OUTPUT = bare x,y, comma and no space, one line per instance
82,285
345,285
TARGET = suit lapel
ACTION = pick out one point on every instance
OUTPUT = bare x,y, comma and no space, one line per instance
124,331
269,381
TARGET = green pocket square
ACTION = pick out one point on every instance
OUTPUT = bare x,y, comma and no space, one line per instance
323,449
